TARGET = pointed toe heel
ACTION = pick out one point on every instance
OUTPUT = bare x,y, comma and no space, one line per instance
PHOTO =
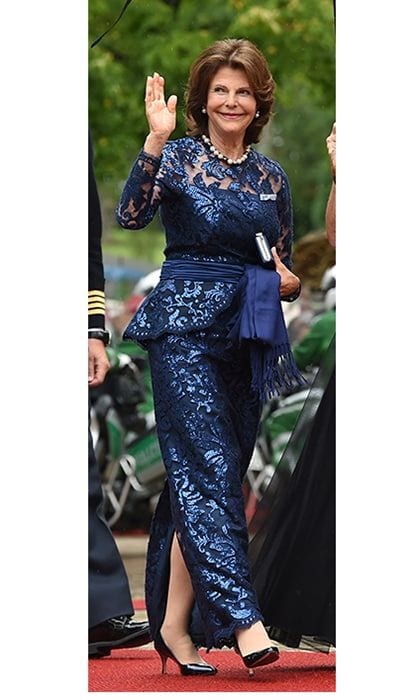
259,658
193,669
197,669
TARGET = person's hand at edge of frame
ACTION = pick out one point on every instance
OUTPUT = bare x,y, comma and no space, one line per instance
331,148
98,363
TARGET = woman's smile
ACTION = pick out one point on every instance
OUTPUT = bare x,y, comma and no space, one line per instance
230,115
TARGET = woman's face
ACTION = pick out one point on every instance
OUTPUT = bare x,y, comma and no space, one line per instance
231,104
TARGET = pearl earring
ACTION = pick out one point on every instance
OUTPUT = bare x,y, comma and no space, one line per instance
203,109
257,114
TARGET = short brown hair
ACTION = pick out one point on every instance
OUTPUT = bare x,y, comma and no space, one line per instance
235,53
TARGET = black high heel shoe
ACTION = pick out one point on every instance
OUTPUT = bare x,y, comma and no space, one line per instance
259,658
193,669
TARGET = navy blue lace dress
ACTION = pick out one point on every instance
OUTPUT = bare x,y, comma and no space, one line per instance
207,413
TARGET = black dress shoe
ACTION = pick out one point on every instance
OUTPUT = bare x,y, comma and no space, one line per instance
261,658
191,669
117,633
258,658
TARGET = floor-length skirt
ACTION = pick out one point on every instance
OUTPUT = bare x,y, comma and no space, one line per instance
207,419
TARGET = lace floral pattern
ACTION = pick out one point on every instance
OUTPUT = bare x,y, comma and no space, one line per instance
209,211
206,445
178,306
207,207
207,414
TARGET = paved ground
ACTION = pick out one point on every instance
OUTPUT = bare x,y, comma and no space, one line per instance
133,550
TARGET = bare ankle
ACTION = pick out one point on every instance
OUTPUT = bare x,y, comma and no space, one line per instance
180,643
173,630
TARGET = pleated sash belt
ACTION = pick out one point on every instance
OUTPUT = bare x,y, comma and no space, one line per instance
259,321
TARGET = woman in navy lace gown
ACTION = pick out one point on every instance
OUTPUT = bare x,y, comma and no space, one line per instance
217,344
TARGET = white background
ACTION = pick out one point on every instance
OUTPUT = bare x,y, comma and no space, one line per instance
44,349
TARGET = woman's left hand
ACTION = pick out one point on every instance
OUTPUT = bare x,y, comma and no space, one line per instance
289,282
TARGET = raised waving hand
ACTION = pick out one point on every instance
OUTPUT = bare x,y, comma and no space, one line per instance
161,114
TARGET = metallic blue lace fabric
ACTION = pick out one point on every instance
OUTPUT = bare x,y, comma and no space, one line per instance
210,212
207,419
207,414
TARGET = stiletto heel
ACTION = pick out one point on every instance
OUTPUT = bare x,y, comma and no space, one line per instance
259,658
193,669
163,660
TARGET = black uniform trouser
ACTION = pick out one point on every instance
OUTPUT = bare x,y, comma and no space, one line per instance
109,591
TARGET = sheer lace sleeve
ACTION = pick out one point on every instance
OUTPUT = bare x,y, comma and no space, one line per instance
285,214
141,195
285,239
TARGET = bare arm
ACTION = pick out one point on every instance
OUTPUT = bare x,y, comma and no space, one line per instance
330,210
330,216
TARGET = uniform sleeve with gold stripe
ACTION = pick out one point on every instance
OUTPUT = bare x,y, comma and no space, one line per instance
96,280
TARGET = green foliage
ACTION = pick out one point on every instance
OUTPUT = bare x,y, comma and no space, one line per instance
296,36
129,245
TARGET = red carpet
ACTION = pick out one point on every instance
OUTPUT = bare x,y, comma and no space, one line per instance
130,670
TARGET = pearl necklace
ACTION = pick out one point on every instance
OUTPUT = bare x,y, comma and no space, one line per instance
221,156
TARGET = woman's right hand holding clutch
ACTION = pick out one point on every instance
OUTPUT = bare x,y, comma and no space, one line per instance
160,114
